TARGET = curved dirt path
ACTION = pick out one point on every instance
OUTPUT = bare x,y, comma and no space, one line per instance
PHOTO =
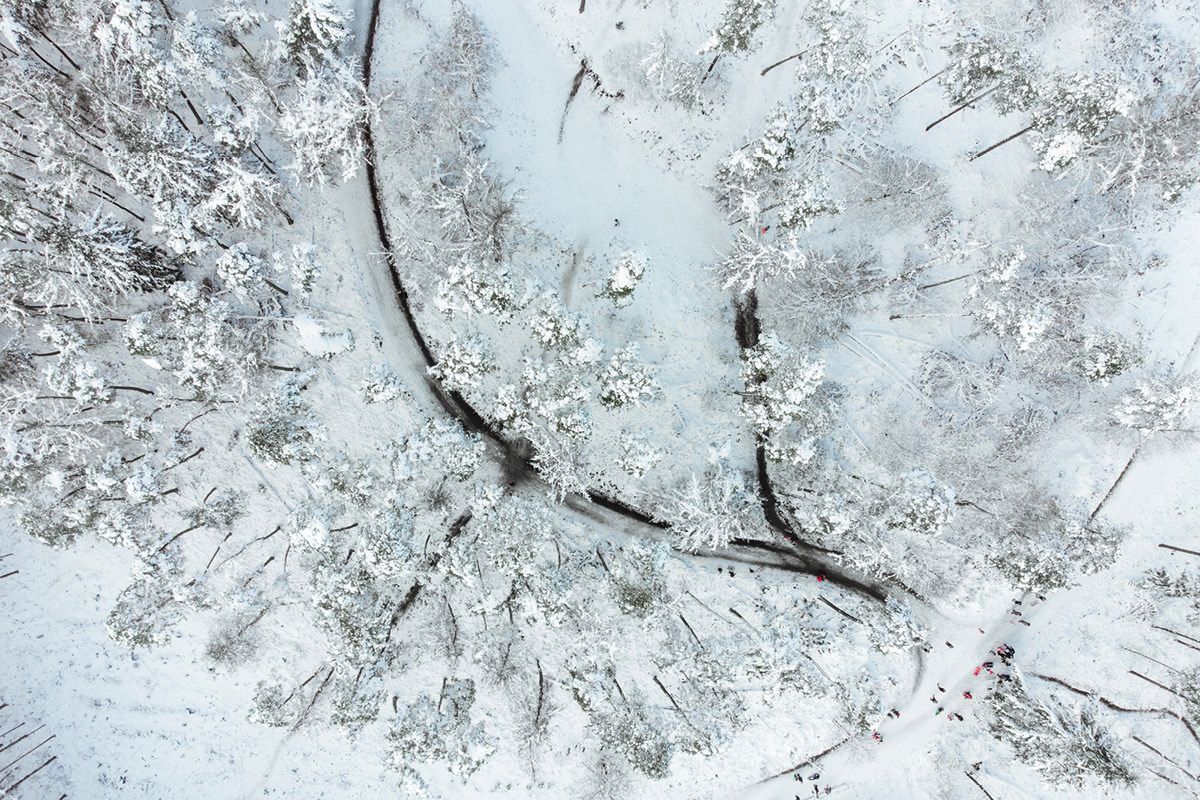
513,456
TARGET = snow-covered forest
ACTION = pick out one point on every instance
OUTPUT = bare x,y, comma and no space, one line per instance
599,399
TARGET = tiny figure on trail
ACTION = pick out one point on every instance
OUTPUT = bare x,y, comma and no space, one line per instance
875,735
820,577
814,776
940,689
1023,622
798,777
816,791
949,645
765,228
940,710
958,717
896,712
988,664
933,698
616,223
981,630
977,765
1017,602
976,672
967,695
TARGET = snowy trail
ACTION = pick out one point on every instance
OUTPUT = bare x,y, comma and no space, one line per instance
950,668
611,512
408,341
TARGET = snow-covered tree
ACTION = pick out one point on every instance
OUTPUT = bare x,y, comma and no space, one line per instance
625,381
324,124
671,72
241,197
638,575
314,32
88,263
151,603
708,511
474,289
624,278
301,265
1102,357
439,448
462,364
897,629
1074,109
381,385
240,270
754,259
198,339
553,326
1155,405
924,505
738,25
1070,744
1042,546
980,62
280,429
510,536
441,729
787,401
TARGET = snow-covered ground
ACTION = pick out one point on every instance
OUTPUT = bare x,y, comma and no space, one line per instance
645,598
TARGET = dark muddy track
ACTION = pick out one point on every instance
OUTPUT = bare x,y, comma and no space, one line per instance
515,456
747,329
452,402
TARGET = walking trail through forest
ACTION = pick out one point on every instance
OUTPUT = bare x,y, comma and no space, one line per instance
950,667
513,456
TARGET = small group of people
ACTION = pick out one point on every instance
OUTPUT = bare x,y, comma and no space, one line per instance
816,788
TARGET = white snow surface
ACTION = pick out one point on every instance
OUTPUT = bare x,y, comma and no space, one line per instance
599,178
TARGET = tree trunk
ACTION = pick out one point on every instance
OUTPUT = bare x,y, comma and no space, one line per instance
1000,143
954,111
